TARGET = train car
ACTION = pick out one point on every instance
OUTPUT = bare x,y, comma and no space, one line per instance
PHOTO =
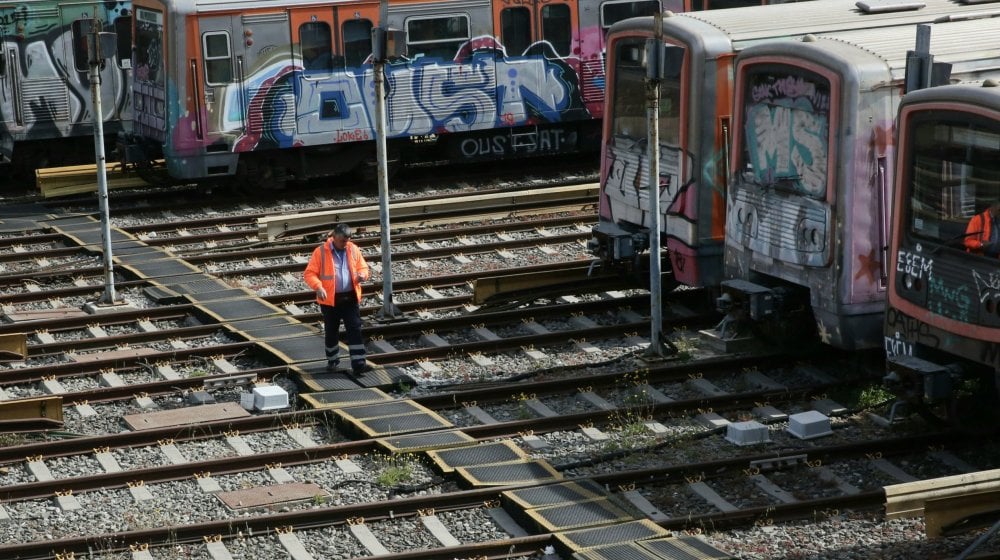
266,91
46,113
695,125
942,323
808,200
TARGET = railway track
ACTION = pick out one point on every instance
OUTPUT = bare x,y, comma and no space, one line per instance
564,391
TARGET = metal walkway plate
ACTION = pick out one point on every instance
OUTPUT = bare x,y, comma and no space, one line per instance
246,307
628,551
605,535
326,381
554,494
504,474
685,548
392,417
378,410
305,346
148,269
89,233
340,399
280,327
565,517
404,423
483,454
210,290
185,416
412,443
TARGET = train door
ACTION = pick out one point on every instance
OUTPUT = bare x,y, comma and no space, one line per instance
70,98
11,117
333,45
535,35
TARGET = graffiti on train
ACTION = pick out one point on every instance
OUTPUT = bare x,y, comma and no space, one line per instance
914,264
431,97
787,125
547,140
987,288
906,328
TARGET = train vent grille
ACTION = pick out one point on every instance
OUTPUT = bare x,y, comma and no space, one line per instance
593,80
45,100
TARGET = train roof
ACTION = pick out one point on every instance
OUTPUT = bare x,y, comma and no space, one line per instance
970,46
742,27
975,94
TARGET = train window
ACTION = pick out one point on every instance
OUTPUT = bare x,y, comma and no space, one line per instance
357,41
437,37
954,176
786,130
316,44
628,104
80,61
557,27
123,31
613,12
515,29
218,58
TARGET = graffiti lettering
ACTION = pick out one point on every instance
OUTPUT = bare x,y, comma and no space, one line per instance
355,135
988,287
947,301
791,87
909,329
787,142
897,346
546,141
914,264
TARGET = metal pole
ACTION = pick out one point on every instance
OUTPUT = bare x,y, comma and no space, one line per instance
388,308
102,178
653,147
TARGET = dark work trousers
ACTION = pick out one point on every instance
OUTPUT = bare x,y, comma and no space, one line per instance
346,309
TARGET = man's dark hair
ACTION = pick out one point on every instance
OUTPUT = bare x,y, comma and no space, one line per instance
342,229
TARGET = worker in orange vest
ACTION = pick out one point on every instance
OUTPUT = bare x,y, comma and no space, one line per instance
982,235
335,272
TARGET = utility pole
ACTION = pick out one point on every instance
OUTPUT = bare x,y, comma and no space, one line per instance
656,55
100,44
384,45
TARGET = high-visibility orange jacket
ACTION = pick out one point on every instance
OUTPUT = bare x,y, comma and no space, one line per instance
977,233
321,270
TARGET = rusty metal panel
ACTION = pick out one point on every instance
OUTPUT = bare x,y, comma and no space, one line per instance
13,346
184,416
37,412
272,495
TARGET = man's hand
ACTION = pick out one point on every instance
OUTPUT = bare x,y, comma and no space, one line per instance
320,293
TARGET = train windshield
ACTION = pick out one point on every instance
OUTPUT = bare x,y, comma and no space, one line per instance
955,175
786,125
628,107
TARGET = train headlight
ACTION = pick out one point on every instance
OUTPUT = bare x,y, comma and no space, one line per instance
908,282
